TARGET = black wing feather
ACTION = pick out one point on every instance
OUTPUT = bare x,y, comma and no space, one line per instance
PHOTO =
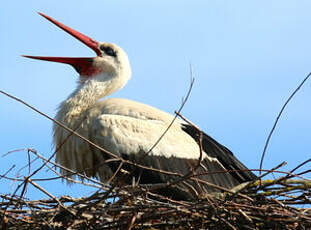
223,154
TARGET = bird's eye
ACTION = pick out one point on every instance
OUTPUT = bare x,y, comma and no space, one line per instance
108,50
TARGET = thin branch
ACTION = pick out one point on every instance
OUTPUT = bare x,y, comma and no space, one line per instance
175,117
50,195
60,124
7,172
277,120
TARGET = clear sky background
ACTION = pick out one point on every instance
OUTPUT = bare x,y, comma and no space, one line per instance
247,56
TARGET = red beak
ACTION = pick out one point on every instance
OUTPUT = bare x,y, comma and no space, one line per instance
83,65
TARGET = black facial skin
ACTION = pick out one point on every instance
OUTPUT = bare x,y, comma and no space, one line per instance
108,50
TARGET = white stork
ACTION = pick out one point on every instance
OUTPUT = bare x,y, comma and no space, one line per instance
129,129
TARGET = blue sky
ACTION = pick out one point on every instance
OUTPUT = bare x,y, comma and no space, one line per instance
247,56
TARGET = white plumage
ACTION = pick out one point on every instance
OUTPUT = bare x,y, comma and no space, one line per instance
130,129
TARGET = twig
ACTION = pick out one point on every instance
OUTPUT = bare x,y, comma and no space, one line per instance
9,170
277,120
50,195
175,117
60,124
68,170
300,165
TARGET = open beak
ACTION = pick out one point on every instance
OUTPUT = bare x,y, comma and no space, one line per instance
83,65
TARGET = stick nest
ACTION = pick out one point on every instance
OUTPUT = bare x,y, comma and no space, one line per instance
270,204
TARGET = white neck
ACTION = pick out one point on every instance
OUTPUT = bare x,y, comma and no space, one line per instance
87,95
115,72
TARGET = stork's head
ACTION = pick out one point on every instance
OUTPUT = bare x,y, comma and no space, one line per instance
110,63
